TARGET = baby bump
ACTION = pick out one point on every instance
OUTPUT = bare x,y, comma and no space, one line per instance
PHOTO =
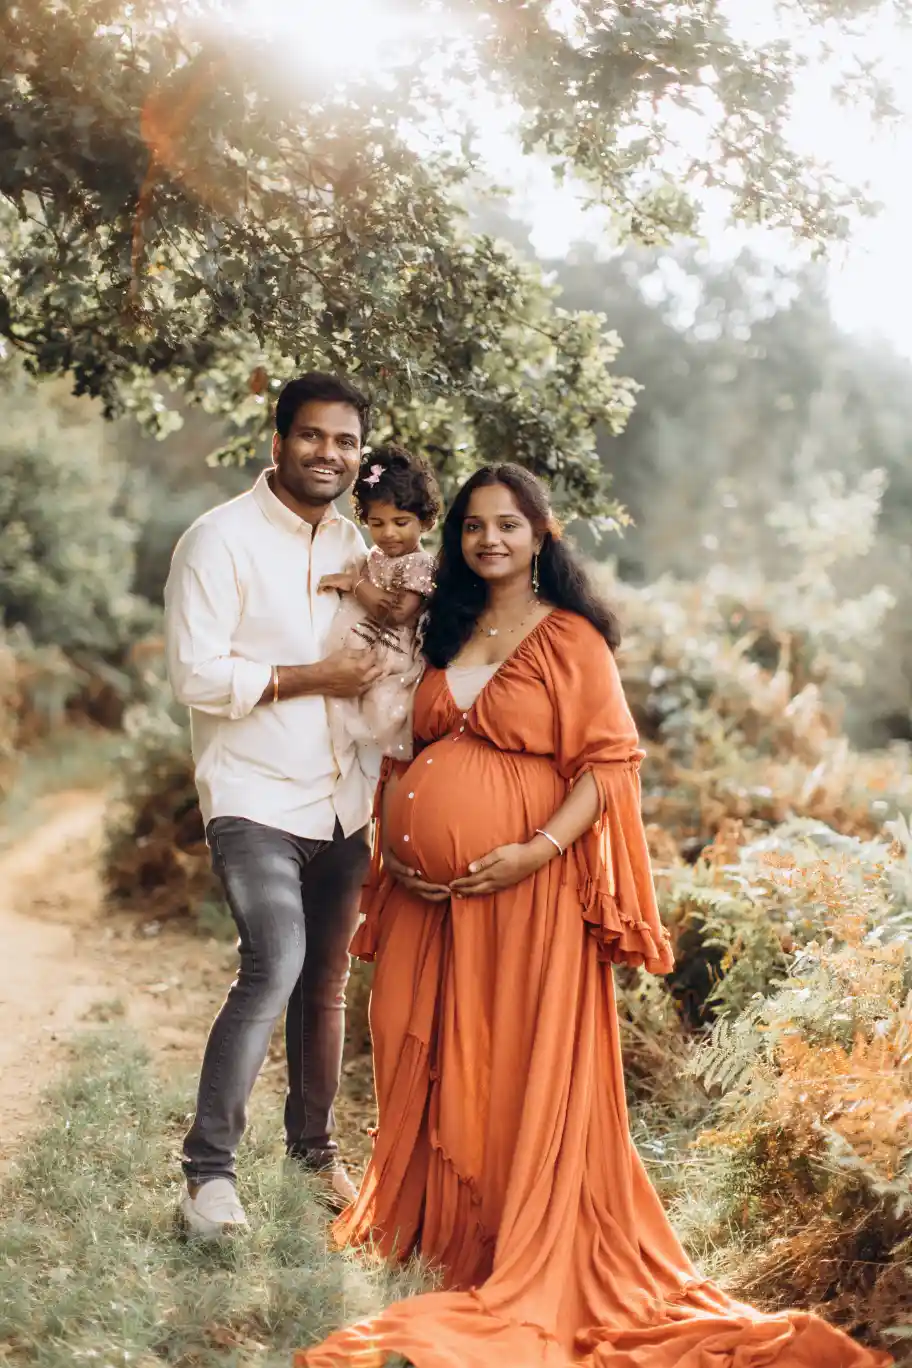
461,798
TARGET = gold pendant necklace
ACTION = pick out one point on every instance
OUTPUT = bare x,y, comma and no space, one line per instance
495,631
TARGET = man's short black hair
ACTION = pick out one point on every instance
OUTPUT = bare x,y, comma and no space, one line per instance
329,389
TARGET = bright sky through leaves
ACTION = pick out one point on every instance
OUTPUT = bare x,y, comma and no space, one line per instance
870,281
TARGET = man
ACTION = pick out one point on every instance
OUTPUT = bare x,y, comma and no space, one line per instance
286,815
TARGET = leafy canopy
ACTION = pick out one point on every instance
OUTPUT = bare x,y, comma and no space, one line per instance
183,202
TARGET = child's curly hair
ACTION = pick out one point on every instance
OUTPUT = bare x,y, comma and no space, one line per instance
390,474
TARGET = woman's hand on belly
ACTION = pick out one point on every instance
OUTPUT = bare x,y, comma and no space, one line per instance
410,880
503,868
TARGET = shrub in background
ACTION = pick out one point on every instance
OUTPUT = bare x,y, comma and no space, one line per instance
802,1160
156,861
37,685
67,561
738,682
67,554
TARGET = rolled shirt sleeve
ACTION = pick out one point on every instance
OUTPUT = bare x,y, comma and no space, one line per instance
202,611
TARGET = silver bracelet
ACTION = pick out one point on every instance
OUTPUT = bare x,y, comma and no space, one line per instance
548,837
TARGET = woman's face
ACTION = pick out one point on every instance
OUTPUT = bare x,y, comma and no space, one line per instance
498,540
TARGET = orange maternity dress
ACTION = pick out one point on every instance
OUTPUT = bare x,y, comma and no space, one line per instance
503,1153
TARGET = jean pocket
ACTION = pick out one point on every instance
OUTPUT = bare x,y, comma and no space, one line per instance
215,856
216,828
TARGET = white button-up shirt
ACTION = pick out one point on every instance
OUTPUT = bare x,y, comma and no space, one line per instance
240,598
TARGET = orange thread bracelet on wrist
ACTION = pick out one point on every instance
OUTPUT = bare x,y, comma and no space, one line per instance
275,683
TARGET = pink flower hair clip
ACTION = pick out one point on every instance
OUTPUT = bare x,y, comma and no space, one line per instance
374,477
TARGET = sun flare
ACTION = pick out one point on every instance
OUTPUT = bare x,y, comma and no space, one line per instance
348,39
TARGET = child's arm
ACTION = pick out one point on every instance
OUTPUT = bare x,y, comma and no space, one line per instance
415,583
406,608
381,604
345,582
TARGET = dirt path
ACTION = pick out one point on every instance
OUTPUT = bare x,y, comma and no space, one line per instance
69,963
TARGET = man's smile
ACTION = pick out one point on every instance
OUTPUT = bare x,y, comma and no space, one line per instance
328,470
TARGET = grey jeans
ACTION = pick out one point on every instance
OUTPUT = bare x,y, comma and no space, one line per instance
295,903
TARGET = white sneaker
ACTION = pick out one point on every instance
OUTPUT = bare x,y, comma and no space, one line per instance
214,1211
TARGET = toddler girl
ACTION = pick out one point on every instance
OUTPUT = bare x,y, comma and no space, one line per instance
397,498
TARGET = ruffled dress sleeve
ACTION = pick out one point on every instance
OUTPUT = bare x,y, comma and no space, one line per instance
418,573
595,734
379,568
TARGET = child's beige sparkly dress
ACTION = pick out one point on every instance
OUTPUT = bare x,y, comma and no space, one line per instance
380,722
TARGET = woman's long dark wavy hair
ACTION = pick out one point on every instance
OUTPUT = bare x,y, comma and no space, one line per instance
460,595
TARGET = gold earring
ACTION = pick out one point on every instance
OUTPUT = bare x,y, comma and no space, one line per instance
535,573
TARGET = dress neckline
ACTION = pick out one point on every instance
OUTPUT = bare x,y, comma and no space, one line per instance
493,667
501,664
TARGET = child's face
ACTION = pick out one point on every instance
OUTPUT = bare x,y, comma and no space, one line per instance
394,531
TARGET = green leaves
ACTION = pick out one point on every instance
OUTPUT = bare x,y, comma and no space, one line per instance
67,551
183,207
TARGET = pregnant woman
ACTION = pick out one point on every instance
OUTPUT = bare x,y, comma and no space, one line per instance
513,874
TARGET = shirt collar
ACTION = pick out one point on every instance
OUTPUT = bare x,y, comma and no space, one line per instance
280,515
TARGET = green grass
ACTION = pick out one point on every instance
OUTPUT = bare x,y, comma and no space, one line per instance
93,1269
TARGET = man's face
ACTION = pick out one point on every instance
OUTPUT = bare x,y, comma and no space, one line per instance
319,458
